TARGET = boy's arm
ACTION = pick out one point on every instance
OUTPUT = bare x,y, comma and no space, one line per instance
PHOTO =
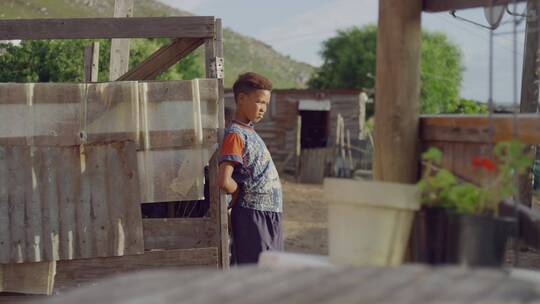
225,180
231,156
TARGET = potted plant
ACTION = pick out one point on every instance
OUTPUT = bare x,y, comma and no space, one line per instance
458,222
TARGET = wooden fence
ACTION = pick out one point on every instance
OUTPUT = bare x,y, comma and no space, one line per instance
83,157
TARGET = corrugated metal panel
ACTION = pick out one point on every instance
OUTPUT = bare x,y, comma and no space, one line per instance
69,168
60,203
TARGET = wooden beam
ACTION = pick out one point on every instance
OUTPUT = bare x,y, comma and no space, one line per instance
178,139
397,89
528,221
119,59
448,5
95,28
91,62
163,59
529,84
223,247
29,278
178,233
476,128
71,274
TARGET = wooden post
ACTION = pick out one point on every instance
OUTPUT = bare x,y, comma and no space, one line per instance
298,144
91,62
338,131
529,89
342,137
349,152
362,101
397,91
214,48
119,62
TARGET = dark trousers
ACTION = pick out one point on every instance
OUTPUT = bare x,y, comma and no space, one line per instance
253,232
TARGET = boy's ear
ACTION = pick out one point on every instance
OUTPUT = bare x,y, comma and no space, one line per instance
241,97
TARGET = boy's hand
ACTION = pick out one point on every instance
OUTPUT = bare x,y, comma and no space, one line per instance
234,198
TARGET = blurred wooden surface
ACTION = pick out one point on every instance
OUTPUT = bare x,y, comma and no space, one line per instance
405,284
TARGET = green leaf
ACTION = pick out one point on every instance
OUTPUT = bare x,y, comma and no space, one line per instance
432,154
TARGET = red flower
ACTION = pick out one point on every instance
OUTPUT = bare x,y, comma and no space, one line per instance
479,162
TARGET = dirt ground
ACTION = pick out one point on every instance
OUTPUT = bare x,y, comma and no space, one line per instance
305,218
306,225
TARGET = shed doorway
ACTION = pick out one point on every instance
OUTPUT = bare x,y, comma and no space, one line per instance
315,116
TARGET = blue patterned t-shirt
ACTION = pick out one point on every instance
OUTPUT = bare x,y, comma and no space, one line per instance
255,172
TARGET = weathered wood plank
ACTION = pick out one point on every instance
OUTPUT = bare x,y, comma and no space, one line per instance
97,166
447,5
384,285
428,287
119,59
19,168
115,200
123,199
53,213
253,284
472,287
5,243
396,86
94,28
14,113
13,93
164,285
180,139
68,180
180,90
312,165
29,278
46,159
476,128
218,211
331,284
85,224
529,222
75,273
179,233
34,233
91,62
163,59
218,206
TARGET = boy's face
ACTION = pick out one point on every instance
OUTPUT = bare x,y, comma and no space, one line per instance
253,105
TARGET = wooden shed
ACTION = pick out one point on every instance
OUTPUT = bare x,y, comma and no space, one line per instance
305,118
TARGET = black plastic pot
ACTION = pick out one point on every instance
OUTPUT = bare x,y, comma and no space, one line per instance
436,236
482,239
444,237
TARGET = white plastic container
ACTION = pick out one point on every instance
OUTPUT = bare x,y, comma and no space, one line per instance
369,223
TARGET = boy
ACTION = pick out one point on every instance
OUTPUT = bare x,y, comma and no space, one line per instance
247,172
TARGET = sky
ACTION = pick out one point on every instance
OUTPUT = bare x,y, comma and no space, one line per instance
298,27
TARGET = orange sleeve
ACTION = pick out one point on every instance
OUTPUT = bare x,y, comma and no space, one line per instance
232,148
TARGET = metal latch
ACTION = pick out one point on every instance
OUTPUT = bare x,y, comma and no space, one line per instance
217,68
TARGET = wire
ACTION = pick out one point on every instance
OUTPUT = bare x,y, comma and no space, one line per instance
458,25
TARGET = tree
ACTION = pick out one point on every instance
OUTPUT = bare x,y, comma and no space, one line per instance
62,60
349,62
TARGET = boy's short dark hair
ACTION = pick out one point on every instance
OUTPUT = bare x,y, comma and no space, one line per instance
249,82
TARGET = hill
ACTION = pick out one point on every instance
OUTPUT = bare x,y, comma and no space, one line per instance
241,53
